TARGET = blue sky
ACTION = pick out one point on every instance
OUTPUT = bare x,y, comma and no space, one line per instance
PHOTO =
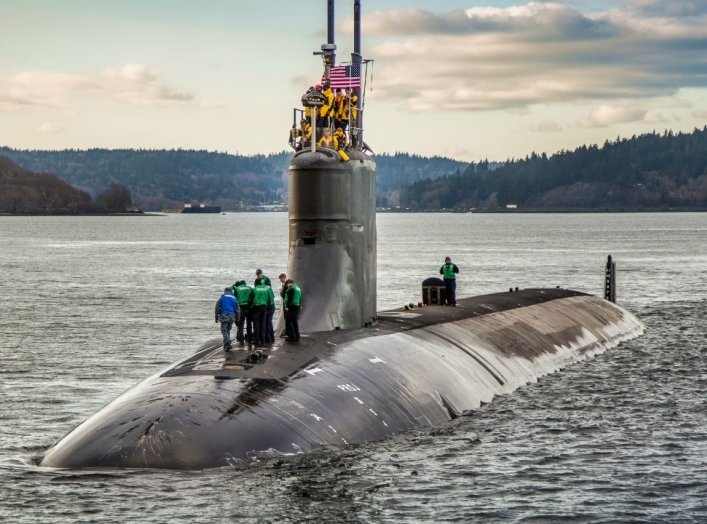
468,79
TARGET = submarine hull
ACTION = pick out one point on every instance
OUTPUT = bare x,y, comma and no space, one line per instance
414,368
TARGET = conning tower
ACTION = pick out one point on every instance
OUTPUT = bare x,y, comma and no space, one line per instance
332,205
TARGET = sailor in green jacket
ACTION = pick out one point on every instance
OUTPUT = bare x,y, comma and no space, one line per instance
260,278
292,305
244,294
262,300
448,272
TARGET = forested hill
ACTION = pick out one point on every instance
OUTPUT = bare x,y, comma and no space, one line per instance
647,172
397,171
22,191
160,179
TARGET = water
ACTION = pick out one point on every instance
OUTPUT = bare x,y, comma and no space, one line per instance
93,305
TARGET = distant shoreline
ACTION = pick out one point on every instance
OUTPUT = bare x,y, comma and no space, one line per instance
140,214
549,211
387,211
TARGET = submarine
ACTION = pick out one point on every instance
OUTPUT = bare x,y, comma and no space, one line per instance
357,375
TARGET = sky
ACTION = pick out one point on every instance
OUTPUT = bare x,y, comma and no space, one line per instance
466,79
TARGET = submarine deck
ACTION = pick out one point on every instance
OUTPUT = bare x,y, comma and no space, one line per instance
281,360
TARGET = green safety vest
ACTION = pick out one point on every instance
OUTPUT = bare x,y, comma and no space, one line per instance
448,271
262,280
296,296
261,295
244,294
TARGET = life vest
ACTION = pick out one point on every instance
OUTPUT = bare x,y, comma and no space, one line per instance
354,107
326,109
339,140
262,280
244,294
261,295
338,103
343,112
326,141
293,296
447,271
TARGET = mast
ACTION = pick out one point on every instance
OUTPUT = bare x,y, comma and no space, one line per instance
330,30
328,50
356,61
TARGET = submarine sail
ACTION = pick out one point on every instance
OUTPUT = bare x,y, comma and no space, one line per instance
332,205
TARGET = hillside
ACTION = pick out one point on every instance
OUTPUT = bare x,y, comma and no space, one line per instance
165,179
26,192
161,179
647,172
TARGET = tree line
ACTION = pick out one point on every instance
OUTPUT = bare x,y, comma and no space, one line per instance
648,172
26,192
162,179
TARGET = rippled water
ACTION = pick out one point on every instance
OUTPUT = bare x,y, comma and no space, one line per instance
93,305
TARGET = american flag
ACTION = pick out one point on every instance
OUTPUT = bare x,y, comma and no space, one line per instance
345,76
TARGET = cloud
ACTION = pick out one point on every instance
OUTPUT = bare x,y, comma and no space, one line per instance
656,117
10,102
487,58
137,84
555,20
44,89
607,115
135,73
671,8
134,84
546,127
50,128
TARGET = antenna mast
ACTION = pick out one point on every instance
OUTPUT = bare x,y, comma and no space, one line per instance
356,61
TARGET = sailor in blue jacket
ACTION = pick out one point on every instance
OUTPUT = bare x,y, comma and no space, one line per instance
226,312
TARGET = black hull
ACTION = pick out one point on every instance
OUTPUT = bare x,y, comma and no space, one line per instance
411,369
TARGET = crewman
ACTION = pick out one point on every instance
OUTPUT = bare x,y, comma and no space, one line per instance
282,277
292,304
269,329
327,140
302,135
226,312
342,114
326,110
338,105
449,272
307,109
244,294
261,279
354,109
348,110
339,138
262,298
